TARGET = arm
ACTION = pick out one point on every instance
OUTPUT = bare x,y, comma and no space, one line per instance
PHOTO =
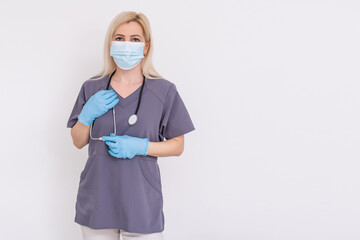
80,134
170,147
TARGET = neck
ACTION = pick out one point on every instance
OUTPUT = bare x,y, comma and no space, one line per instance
128,77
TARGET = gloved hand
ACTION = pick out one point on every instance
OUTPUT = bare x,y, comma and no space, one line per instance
97,105
125,146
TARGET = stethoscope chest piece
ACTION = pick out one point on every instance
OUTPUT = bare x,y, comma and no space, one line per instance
132,119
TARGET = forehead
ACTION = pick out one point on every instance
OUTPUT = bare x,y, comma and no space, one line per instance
129,29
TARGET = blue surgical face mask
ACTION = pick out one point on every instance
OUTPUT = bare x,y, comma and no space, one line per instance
127,54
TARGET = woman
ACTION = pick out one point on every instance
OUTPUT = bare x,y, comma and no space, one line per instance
120,186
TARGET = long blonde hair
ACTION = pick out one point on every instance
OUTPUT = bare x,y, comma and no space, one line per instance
146,63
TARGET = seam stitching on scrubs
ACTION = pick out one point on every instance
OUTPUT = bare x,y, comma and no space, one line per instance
87,168
72,121
172,85
156,96
180,131
163,112
147,178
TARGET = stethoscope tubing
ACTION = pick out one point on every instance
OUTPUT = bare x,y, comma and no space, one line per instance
134,116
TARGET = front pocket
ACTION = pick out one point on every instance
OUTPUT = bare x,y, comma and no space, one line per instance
153,180
88,164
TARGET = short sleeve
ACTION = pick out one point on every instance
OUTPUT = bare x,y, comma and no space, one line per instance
175,120
79,103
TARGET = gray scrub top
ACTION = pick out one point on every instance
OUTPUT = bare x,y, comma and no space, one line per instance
126,193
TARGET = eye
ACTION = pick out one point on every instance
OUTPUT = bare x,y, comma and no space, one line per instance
120,39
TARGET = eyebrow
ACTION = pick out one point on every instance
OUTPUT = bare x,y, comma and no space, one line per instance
124,35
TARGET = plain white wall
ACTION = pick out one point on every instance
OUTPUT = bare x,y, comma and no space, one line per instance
272,88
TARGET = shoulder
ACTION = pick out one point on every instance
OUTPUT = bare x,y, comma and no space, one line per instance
160,87
93,85
95,82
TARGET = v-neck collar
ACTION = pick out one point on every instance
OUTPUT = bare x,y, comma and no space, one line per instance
130,98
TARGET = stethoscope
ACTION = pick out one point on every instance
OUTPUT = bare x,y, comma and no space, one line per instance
132,119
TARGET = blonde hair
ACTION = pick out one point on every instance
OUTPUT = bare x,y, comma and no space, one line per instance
146,63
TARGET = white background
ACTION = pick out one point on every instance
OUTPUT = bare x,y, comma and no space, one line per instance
272,88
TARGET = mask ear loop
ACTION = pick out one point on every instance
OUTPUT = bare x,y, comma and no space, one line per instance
145,45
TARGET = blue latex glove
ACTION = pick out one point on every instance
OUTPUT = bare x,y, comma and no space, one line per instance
125,146
97,105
